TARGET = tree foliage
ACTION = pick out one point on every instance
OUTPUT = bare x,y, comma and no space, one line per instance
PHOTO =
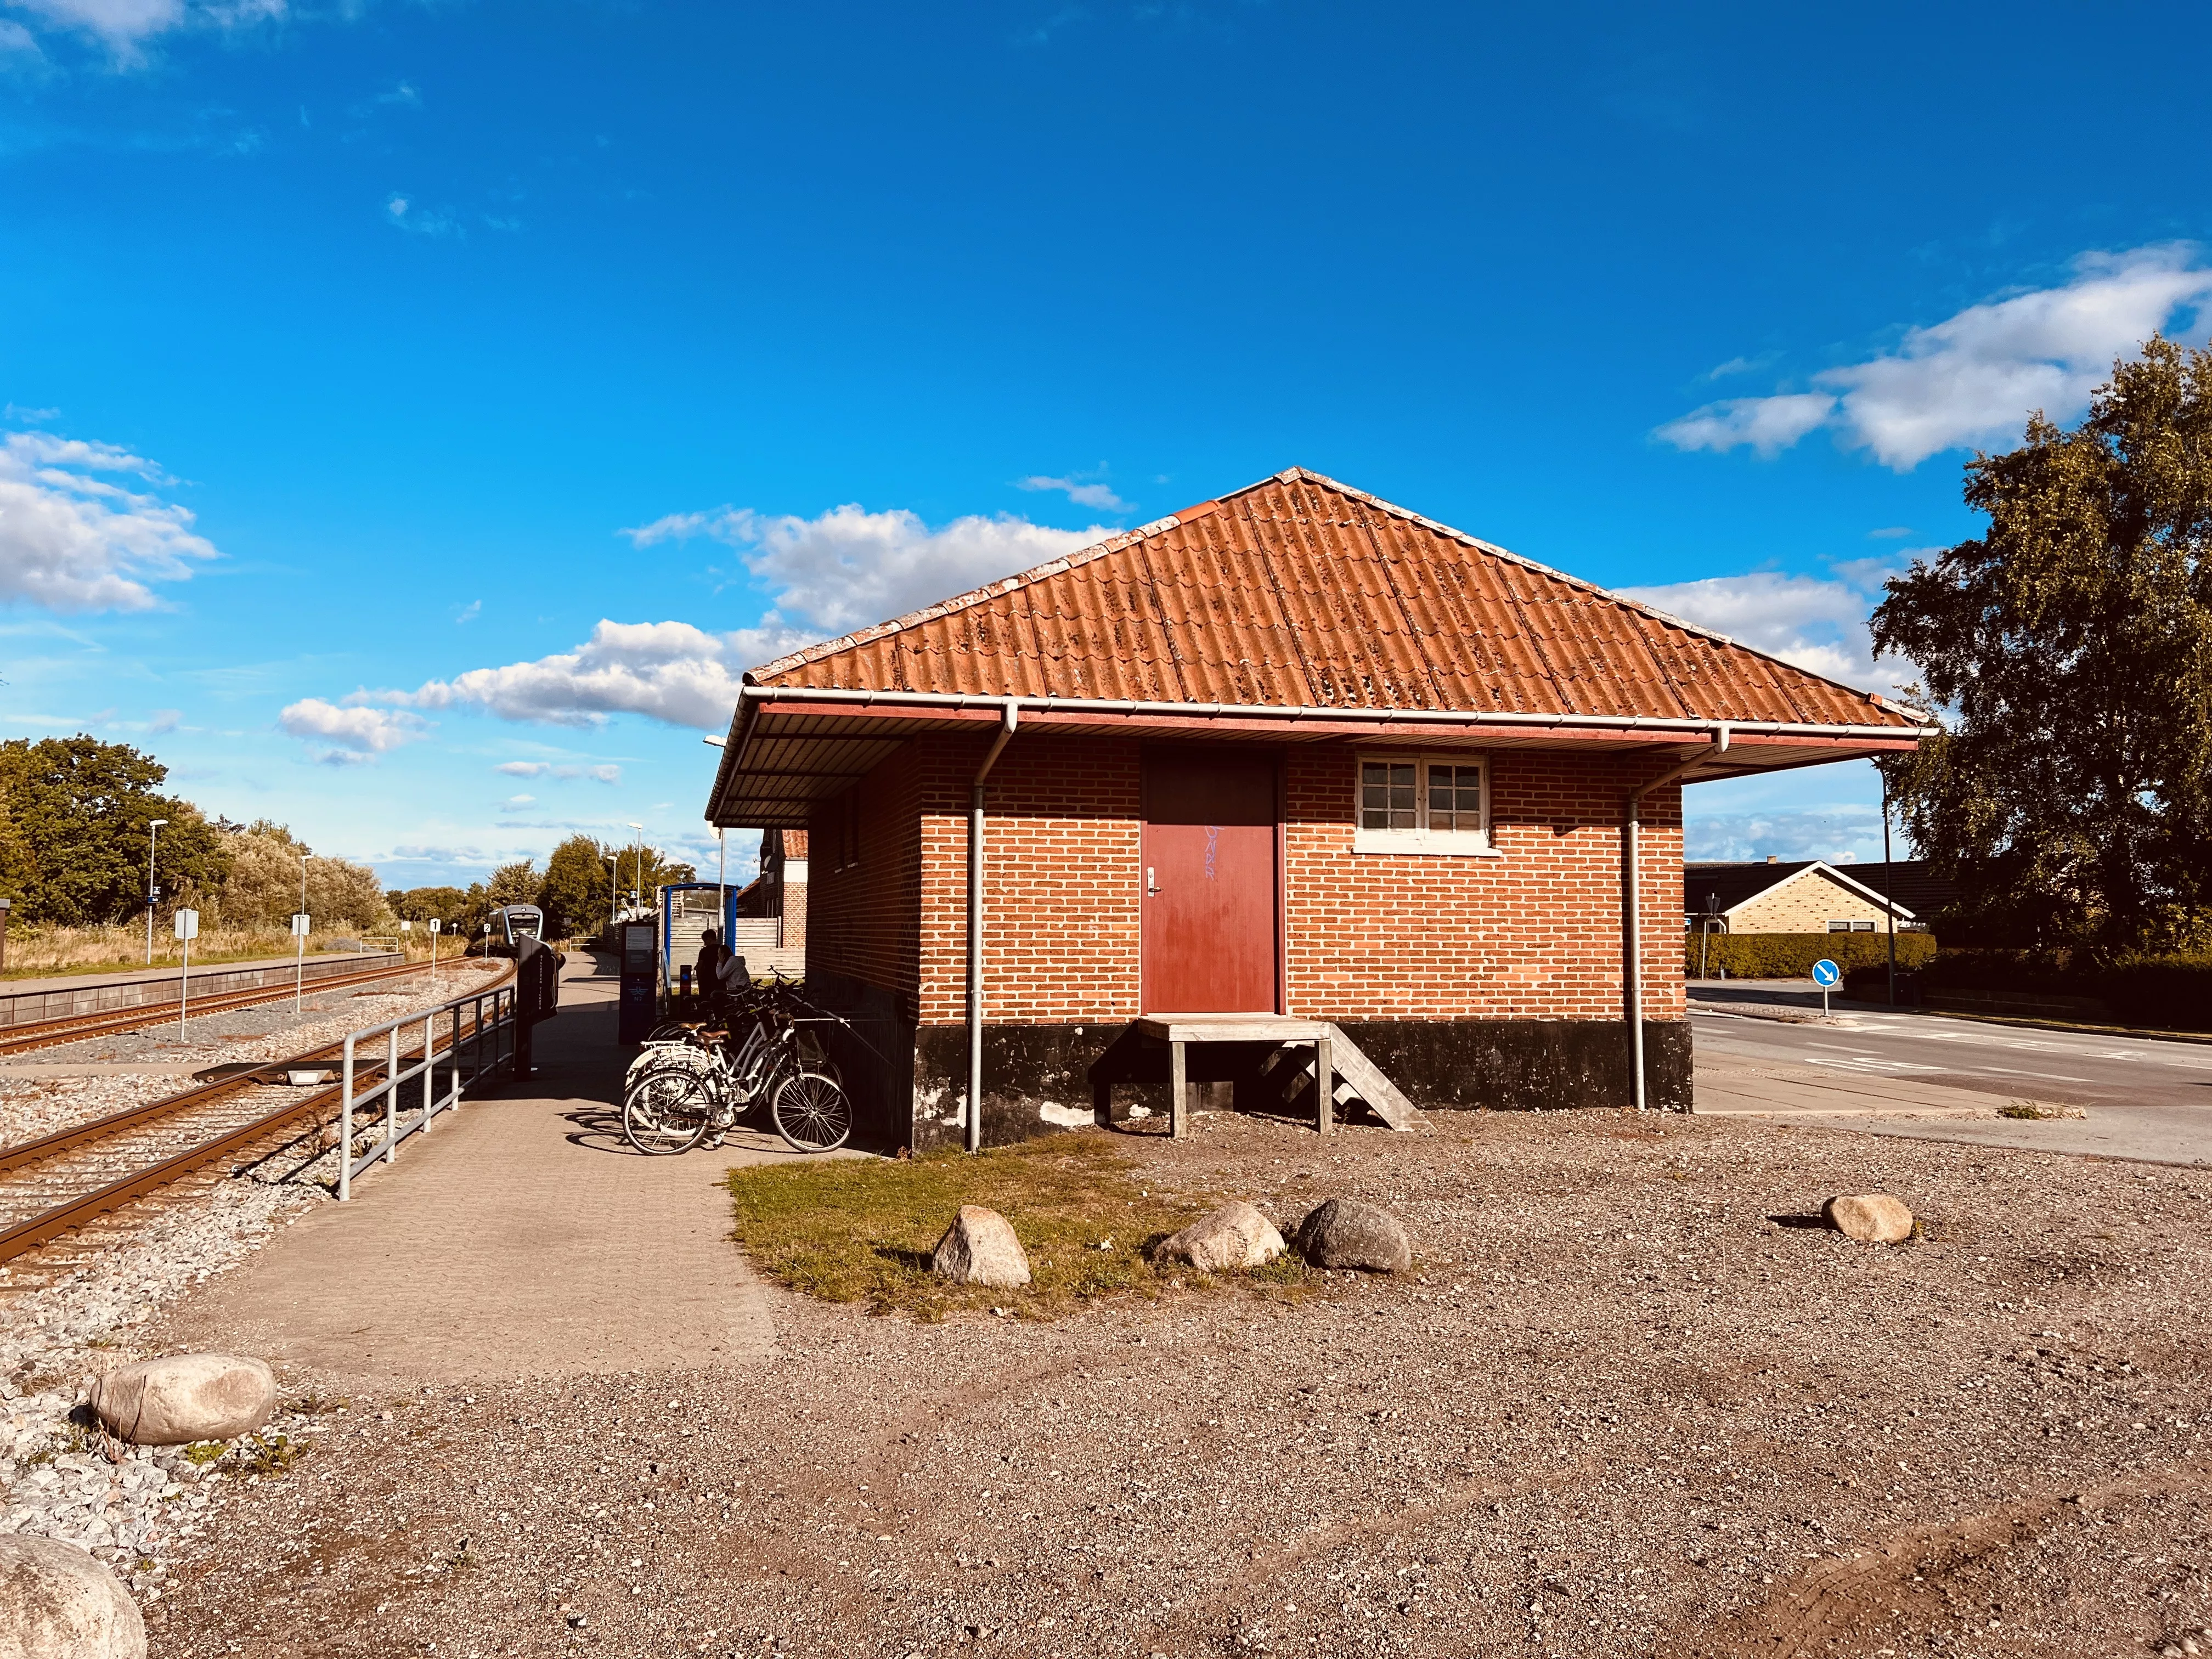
2071,646
575,892
449,905
74,826
263,887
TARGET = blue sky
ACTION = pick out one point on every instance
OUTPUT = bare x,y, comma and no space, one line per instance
417,415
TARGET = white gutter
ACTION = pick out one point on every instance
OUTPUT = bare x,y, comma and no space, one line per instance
1009,718
1630,857
1639,723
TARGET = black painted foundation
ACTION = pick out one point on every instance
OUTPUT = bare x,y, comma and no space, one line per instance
1041,1079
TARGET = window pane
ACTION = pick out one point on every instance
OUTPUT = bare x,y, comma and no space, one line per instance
1840,927
1455,798
1386,795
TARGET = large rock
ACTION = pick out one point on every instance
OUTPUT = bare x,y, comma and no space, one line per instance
1872,1218
187,1396
980,1247
1235,1235
1345,1233
57,1603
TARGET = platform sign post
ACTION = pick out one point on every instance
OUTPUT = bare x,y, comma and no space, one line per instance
1825,975
188,929
300,926
434,953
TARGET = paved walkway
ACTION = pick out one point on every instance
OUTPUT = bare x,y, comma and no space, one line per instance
520,1237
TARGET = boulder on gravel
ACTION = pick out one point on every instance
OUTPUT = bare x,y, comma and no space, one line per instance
1871,1217
1347,1232
1235,1235
186,1397
57,1603
980,1247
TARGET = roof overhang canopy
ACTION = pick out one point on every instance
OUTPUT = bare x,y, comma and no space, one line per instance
791,747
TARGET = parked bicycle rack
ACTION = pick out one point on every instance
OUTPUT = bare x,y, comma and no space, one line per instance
497,1032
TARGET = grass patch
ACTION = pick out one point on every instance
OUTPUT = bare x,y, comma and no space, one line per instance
852,1229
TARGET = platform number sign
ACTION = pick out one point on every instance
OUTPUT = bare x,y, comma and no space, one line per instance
1827,975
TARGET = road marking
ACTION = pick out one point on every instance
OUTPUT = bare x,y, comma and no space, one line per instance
2048,1076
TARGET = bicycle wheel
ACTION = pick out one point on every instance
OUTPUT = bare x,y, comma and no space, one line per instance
812,1113
668,1111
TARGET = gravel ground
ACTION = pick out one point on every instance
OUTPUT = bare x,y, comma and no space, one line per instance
32,1105
1619,1408
59,1477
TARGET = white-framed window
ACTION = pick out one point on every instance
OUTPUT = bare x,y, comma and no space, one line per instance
1854,926
1423,803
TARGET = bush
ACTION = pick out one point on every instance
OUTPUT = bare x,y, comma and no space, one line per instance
1791,955
2173,990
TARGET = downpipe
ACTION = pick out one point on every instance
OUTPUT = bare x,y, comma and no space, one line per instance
1009,716
1631,852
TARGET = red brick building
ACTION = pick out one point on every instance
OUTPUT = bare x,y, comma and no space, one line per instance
1295,753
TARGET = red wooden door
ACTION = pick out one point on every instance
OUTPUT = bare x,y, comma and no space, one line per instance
1210,882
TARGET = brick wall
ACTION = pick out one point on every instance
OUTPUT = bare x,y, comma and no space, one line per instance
1534,934
1807,904
1061,850
794,894
862,913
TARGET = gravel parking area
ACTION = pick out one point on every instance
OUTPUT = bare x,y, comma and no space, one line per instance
1628,1403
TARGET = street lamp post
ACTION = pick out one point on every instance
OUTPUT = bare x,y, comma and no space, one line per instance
3,935
614,890
152,835
300,926
637,868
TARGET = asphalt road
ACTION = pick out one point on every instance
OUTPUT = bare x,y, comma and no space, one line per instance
2146,1098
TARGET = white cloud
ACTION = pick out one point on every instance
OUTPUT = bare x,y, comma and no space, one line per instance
403,213
71,539
123,24
516,803
1820,625
546,768
13,37
828,574
356,731
1765,424
1085,489
1842,834
667,670
850,568
1973,378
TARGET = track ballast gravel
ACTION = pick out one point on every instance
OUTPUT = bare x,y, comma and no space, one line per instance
1619,1408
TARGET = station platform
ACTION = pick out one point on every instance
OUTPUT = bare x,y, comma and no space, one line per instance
521,1237
14,987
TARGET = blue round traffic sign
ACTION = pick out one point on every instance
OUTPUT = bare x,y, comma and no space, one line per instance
1825,973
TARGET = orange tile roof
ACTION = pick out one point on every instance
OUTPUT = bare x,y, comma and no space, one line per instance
1300,592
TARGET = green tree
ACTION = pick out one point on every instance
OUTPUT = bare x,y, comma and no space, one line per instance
77,813
513,883
262,888
574,894
449,905
2071,648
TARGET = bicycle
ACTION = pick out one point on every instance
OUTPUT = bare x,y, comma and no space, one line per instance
681,1090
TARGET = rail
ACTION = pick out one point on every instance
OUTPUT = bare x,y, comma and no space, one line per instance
497,1031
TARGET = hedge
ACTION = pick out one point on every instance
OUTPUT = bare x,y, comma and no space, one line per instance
1791,955
2174,991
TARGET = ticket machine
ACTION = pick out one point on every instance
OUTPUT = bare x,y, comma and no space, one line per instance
639,1008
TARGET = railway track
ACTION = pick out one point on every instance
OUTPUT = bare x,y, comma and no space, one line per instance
63,1181
75,1028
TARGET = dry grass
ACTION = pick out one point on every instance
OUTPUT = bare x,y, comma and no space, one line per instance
37,952
850,1229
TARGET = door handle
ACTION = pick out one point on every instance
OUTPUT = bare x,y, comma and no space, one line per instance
1152,885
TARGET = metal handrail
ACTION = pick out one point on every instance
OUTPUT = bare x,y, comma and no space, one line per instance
498,1030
